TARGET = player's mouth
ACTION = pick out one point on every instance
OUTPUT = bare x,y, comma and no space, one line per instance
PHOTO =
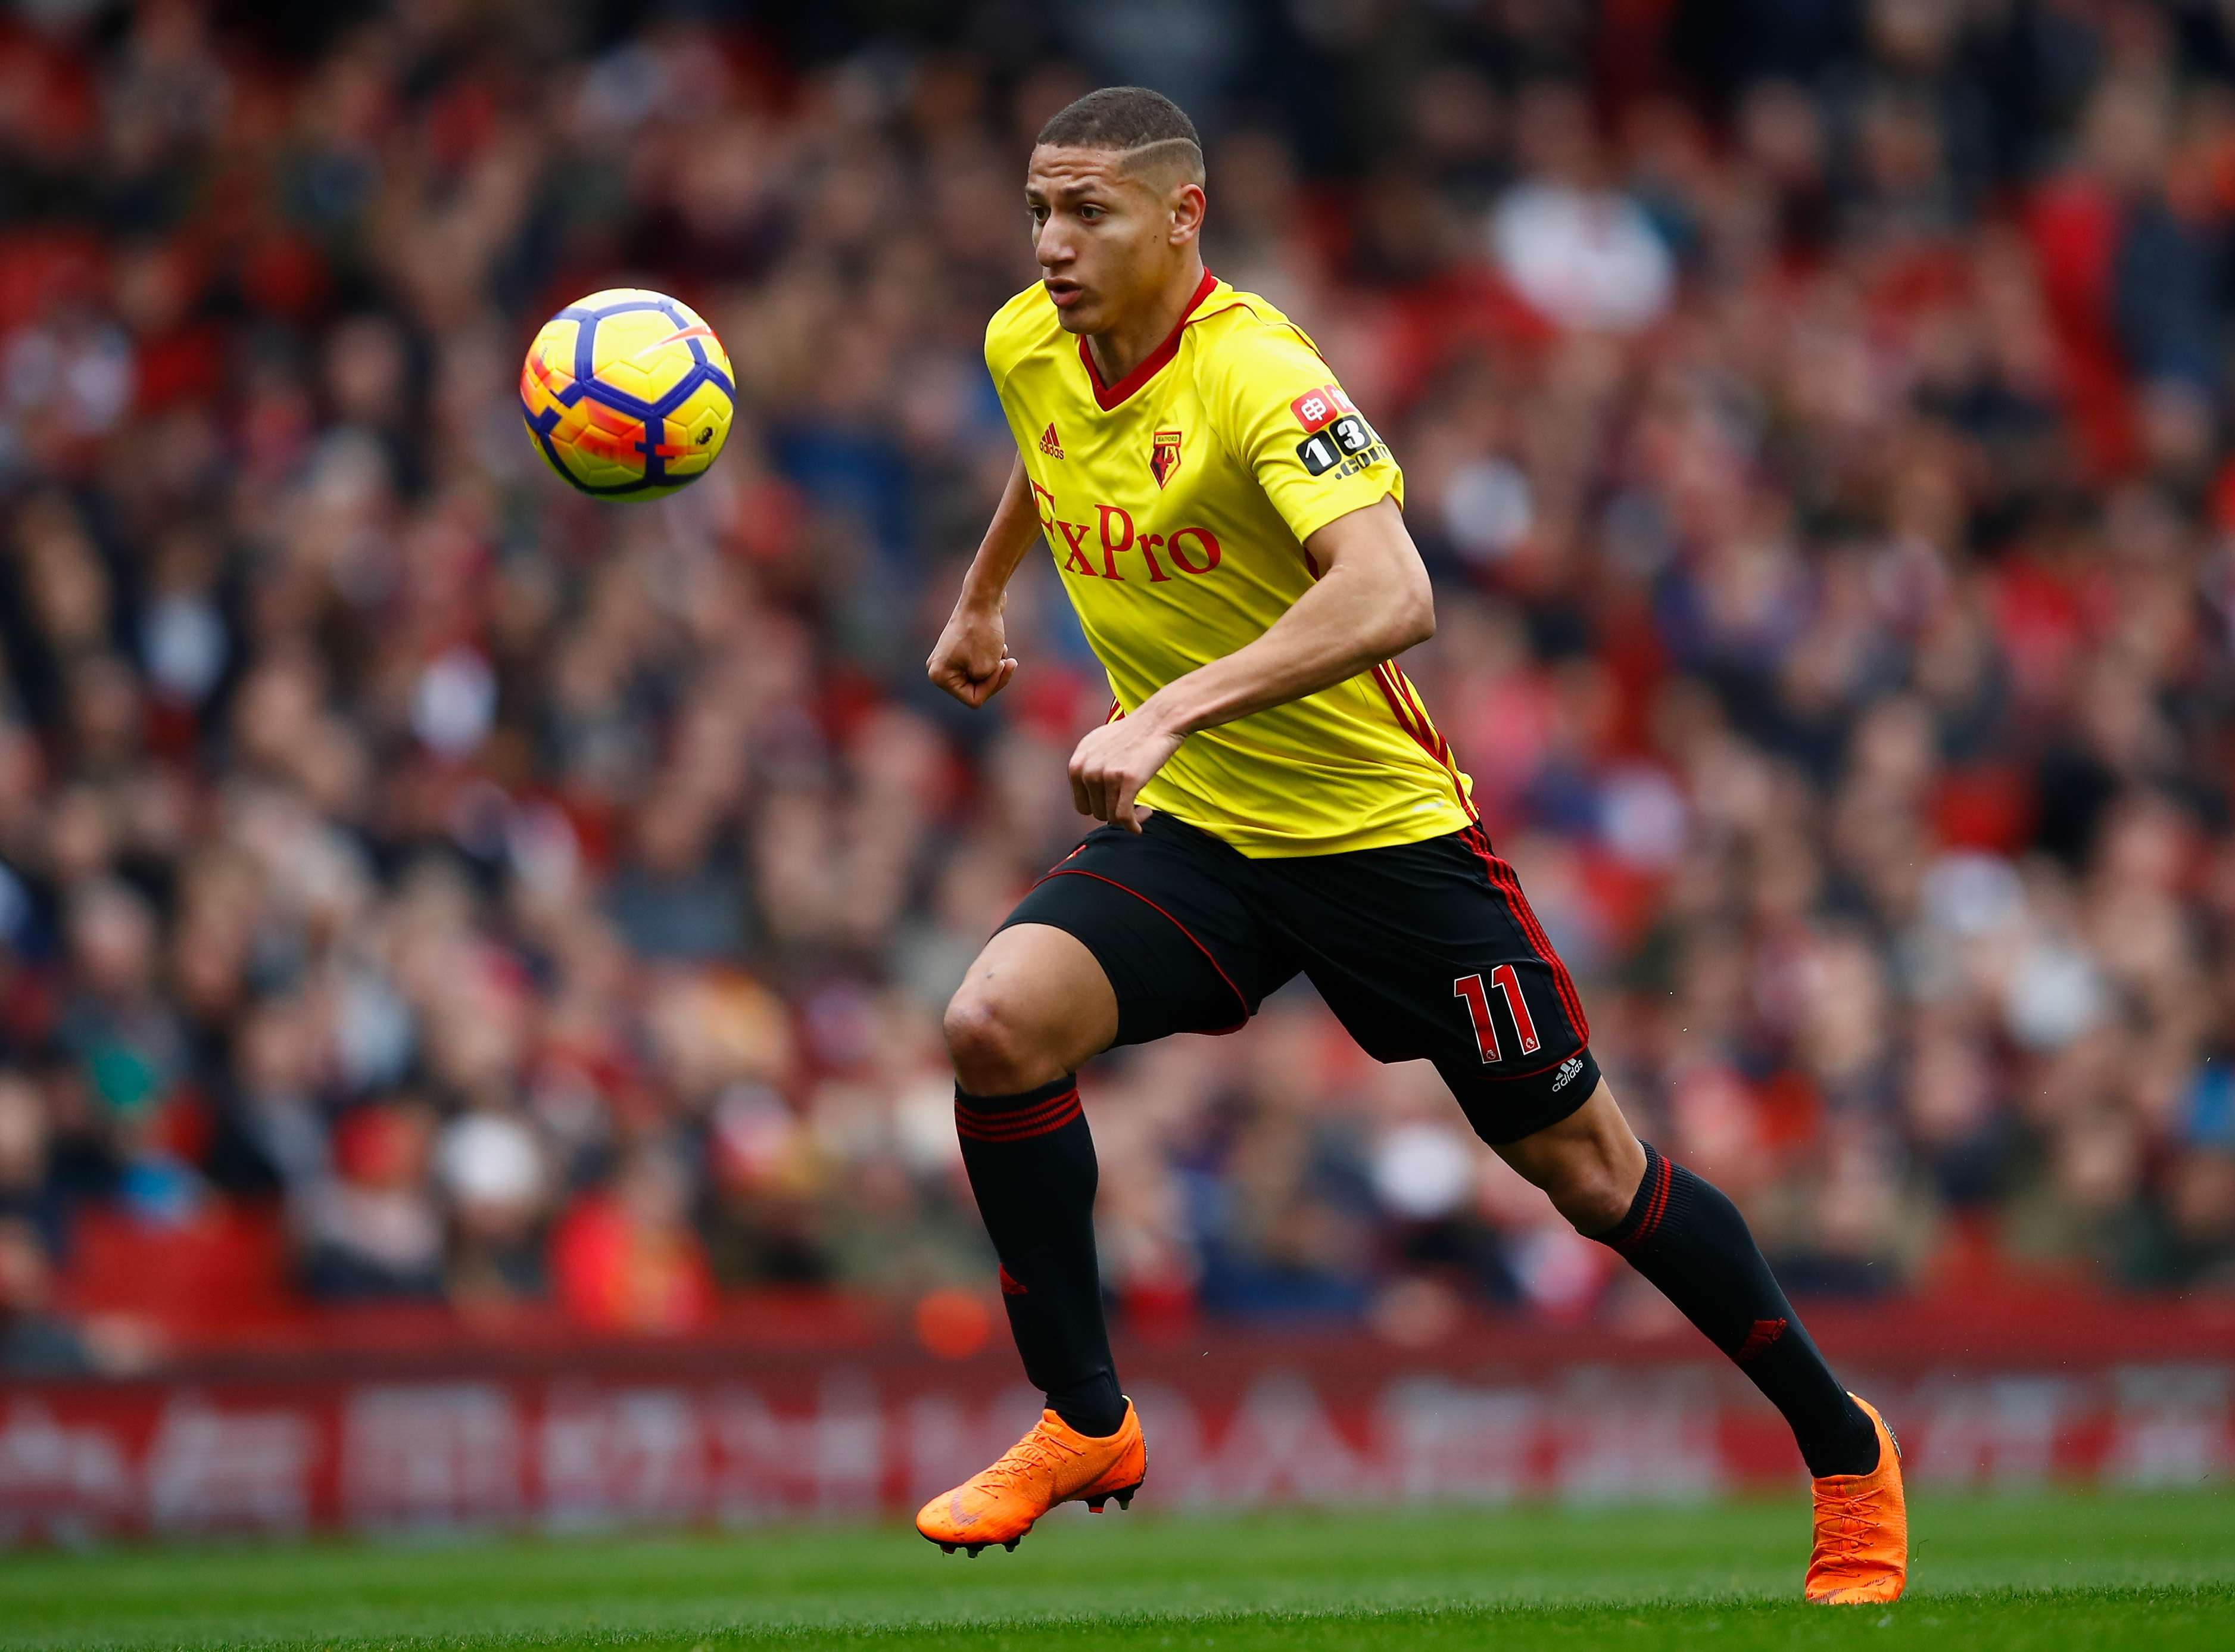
1065,293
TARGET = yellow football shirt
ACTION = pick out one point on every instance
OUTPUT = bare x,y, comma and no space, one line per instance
1175,504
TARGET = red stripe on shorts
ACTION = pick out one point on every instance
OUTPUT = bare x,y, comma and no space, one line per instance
1502,878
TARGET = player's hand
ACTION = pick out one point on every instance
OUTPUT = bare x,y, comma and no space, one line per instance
1114,762
972,661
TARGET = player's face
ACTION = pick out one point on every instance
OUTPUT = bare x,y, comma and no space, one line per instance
1106,239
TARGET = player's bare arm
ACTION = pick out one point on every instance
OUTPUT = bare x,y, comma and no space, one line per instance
1372,602
972,660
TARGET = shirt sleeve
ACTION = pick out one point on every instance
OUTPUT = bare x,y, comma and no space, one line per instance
1311,450
1009,332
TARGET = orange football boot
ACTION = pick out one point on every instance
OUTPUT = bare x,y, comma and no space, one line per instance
1862,1530
1053,1464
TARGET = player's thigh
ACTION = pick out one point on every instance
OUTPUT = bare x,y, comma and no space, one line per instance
1033,1006
1430,951
1168,915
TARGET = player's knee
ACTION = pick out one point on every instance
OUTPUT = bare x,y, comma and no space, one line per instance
992,1055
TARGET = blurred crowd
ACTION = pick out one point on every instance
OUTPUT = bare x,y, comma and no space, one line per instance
1814,413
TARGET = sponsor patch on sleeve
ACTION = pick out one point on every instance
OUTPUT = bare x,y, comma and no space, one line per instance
1317,409
1348,445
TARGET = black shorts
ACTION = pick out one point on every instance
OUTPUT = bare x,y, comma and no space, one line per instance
1422,950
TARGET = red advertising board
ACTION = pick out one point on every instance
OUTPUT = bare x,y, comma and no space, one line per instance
492,1431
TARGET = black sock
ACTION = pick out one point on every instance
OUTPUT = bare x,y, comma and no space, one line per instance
1691,1241
1030,1160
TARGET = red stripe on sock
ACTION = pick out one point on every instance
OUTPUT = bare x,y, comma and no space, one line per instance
1006,1138
983,1127
1021,1133
995,1127
1656,1206
1003,1118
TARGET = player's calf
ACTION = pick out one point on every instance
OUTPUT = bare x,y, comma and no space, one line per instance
1588,1164
1036,1001
1030,1158
1683,1235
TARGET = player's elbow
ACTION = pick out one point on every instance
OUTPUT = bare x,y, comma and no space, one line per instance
1423,616
1412,617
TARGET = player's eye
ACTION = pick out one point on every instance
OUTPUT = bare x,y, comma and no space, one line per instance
1090,214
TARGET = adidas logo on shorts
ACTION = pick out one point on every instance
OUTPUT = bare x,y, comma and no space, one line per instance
1568,1069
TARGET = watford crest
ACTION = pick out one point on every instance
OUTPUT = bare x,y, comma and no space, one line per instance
1164,456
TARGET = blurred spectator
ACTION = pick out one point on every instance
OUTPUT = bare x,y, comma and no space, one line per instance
24,1195
370,1227
32,1338
625,1259
1583,252
491,1167
34,1342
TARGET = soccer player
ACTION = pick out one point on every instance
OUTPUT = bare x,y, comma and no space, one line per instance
1276,800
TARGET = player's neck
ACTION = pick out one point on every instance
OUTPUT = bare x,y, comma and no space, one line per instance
1125,346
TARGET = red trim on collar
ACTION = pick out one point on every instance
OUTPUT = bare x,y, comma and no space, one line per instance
1107,396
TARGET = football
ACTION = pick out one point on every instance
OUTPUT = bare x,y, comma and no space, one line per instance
627,393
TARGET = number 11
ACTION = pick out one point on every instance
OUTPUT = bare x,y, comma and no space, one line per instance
1508,983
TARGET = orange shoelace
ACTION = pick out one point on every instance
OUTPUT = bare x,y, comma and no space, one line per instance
1844,1530
1038,1449
1841,1535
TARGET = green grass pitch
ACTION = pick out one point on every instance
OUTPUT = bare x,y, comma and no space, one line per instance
2054,1572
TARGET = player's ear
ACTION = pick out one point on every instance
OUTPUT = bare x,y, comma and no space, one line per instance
1185,205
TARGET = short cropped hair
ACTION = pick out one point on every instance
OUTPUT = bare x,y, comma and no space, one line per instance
1127,118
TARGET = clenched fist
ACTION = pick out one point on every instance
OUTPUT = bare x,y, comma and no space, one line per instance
972,661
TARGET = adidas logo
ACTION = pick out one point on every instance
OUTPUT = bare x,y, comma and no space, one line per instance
1568,1069
1759,1339
1050,444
